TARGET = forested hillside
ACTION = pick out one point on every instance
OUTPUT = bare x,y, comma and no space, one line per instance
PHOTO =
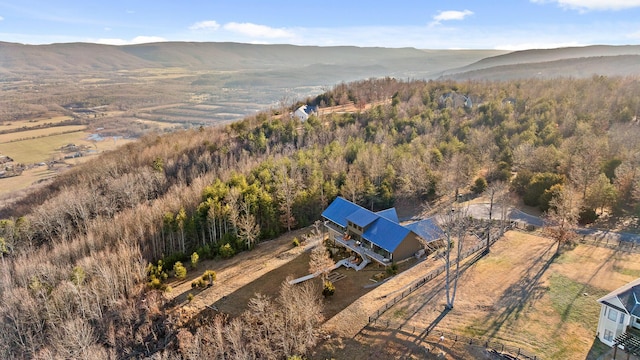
75,253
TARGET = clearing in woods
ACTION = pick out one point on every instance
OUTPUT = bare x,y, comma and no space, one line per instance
521,295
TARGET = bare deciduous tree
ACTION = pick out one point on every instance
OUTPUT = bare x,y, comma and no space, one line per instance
319,261
248,229
562,217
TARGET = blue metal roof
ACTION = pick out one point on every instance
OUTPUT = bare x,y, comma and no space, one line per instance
381,228
386,234
362,217
339,210
390,214
427,229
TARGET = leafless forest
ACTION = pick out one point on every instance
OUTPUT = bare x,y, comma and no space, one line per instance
76,252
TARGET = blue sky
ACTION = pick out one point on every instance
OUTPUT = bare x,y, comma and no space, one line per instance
495,24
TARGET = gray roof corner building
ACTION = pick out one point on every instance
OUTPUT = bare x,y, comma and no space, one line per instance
625,298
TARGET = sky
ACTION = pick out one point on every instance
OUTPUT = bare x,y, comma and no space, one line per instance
423,24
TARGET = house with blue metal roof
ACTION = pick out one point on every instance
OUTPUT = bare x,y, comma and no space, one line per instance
377,236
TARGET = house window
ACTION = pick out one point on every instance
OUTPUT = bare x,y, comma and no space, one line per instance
608,335
613,314
621,318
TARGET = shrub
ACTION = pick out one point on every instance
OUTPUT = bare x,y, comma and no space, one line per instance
170,260
329,289
190,297
535,191
392,269
78,275
206,252
156,275
207,279
209,275
194,260
179,270
587,216
295,242
479,186
198,283
226,251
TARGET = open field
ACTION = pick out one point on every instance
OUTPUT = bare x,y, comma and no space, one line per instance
520,295
41,149
38,133
27,124
26,179
160,124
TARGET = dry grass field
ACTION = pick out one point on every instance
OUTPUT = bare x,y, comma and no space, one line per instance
27,124
40,133
26,179
40,149
520,295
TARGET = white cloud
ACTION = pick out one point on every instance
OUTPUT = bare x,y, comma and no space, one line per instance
135,40
1,18
147,39
257,31
587,5
210,25
107,29
112,41
450,15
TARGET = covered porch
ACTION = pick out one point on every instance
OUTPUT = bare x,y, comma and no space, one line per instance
360,247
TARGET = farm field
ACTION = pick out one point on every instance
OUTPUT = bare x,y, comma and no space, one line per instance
38,133
27,124
41,149
26,179
520,295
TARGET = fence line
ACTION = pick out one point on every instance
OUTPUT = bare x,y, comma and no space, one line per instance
438,334
615,244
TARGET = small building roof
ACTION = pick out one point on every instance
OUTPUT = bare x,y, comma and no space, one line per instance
427,229
390,214
625,298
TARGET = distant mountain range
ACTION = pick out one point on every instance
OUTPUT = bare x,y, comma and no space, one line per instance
550,63
314,64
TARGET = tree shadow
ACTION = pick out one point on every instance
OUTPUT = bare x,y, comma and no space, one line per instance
567,311
517,295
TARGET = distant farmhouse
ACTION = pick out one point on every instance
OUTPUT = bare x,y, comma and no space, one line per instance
454,100
304,111
620,317
378,236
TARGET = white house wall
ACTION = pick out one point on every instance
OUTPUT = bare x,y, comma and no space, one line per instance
615,327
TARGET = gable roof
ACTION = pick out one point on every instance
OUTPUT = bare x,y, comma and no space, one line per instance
362,217
381,228
427,229
386,234
390,214
339,210
625,298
